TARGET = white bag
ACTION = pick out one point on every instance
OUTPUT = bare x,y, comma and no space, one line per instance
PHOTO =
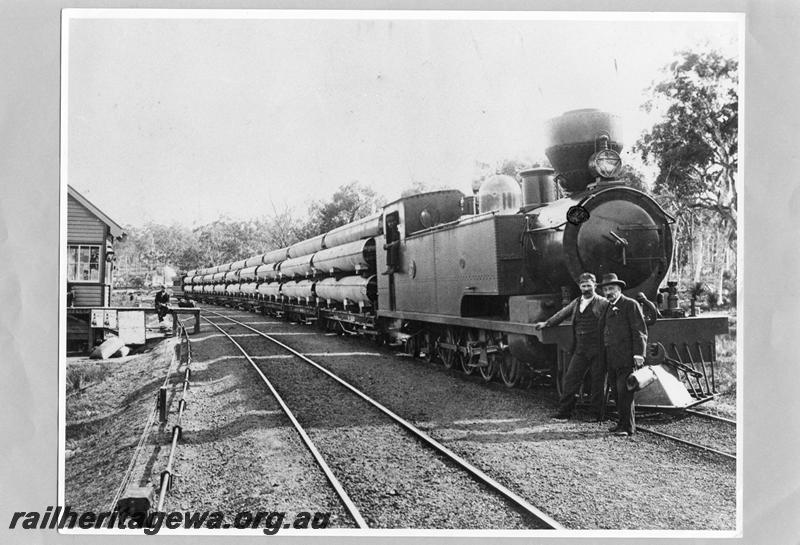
641,378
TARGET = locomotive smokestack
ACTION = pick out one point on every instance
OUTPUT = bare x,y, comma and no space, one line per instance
574,137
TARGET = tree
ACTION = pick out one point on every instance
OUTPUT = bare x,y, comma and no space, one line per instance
695,144
350,202
418,187
192,257
694,147
224,240
633,178
154,246
283,228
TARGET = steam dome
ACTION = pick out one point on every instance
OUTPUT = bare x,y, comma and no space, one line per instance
500,193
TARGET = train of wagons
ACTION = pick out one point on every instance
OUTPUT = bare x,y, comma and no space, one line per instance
463,279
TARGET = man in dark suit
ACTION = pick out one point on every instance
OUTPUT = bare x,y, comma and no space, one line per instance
161,302
587,346
625,340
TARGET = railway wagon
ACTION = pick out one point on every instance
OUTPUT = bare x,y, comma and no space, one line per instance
465,284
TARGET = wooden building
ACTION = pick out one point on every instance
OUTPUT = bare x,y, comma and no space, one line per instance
90,250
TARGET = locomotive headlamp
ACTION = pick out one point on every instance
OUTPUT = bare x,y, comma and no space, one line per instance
605,163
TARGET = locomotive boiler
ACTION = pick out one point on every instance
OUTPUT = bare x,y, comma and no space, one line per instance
465,284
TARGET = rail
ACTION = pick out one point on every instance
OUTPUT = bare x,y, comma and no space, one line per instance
687,443
479,475
711,416
340,491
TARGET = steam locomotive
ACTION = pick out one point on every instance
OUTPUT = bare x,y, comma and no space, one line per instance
463,279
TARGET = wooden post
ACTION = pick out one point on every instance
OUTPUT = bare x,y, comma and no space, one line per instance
92,335
162,404
184,350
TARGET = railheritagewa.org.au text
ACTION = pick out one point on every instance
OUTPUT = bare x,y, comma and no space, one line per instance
270,522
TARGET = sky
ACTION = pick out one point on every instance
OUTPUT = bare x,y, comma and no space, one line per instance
175,117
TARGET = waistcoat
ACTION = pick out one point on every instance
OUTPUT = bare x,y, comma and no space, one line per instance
587,333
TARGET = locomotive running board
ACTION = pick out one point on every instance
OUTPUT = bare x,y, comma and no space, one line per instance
491,323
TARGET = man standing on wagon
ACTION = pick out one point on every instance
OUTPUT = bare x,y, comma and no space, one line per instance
587,347
625,341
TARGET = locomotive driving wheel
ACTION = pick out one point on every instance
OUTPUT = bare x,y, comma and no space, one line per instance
428,346
509,369
494,359
413,346
447,354
467,360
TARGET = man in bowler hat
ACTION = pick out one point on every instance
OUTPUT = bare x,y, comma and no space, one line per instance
625,340
586,312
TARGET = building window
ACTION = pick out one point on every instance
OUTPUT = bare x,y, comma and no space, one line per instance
83,263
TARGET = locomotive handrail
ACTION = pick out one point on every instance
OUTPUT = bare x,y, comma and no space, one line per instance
548,228
670,219
463,220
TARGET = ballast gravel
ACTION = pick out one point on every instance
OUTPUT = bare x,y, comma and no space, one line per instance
239,452
393,479
575,471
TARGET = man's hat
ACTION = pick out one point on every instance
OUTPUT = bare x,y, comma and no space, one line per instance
611,278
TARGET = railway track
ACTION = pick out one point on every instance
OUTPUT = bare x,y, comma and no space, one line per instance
532,516
352,510
713,429
684,441
710,416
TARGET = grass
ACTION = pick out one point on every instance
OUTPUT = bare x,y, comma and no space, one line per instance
725,370
120,299
726,364
81,375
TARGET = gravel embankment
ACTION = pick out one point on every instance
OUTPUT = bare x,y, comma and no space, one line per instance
238,451
575,470
104,422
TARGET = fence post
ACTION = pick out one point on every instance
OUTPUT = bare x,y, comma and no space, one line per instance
162,404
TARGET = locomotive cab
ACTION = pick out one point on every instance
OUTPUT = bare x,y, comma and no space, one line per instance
462,266
416,213
403,219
